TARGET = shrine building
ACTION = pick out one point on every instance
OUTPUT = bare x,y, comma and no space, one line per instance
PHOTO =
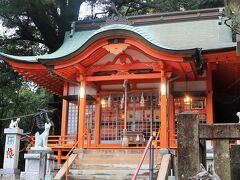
127,77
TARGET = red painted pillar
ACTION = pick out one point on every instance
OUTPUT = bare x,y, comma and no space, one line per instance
164,121
97,121
209,95
82,109
172,121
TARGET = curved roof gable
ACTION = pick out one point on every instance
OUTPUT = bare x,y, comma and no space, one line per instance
76,44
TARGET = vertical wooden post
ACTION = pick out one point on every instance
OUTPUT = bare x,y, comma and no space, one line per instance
82,109
59,158
222,158
97,121
164,124
209,95
63,122
89,139
64,111
172,120
235,161
188,146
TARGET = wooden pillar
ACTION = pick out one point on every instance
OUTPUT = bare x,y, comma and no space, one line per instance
97,121
172,120
188,146
64,113
59,158
82,109
164,121
209,95
222,158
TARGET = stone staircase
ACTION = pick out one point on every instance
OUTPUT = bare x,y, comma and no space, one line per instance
110,164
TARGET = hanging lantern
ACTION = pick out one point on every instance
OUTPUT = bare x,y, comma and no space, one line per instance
109,102
187,100
122,102
103,103
142,101
137,99
131,99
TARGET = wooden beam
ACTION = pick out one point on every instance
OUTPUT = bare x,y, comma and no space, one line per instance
156,66
122,77
93,85
80,68
219,131
222,57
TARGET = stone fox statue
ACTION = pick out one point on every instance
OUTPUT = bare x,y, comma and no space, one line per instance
41,139
14,124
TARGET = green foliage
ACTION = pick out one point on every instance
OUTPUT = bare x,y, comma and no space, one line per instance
136,7
39,21
16,99
232,12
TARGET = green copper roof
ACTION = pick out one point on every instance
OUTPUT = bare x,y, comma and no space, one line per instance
74,44
172,38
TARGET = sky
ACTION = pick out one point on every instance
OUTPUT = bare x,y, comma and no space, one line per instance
3,30
85,10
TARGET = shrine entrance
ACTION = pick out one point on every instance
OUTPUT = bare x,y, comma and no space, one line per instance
142,118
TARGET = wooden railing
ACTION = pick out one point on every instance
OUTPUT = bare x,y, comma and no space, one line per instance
142,158
59,144
55,141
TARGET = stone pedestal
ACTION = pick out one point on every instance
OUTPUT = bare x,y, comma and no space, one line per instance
38,165
11,154
188,146
222,159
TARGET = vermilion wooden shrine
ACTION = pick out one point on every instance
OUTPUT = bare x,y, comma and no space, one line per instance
161,58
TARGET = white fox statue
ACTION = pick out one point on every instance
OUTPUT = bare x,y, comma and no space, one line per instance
14,124
41,140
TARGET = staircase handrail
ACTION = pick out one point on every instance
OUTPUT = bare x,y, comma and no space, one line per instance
142,158
67,157
70,152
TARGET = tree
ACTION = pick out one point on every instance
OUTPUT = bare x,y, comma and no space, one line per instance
136,7
40,21
46,21
17,99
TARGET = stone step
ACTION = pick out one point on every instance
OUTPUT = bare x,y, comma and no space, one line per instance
114,155
104,177
110,161
110,151
122,172
108,166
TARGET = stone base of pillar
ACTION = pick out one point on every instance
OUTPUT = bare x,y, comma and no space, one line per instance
9,174
38,164
163,151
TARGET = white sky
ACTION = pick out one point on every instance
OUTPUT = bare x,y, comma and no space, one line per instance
3,30
85,10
